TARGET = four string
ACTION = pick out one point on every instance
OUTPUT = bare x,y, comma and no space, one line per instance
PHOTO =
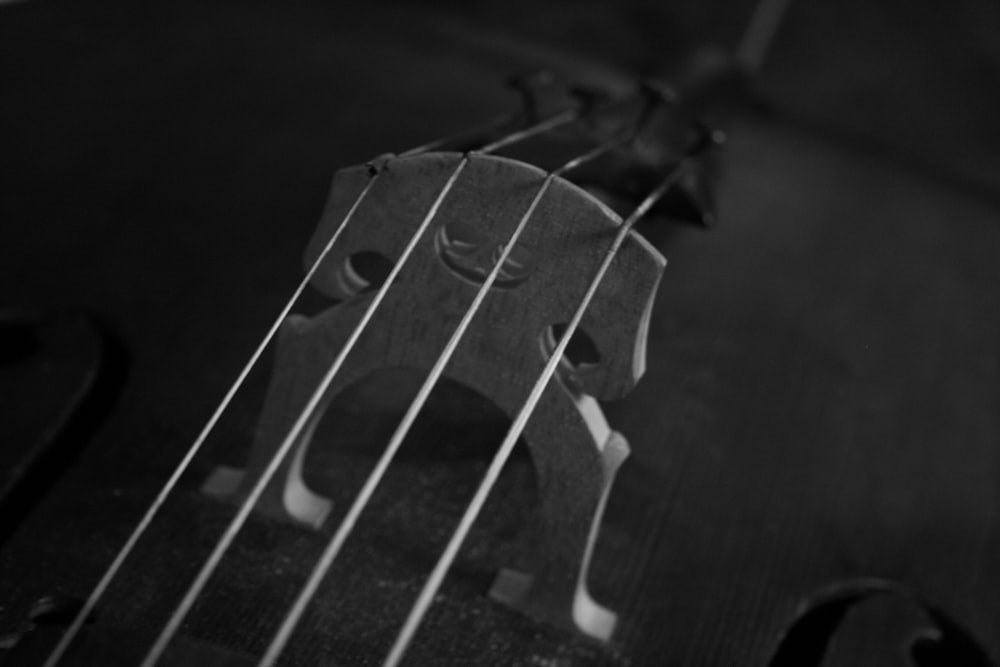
334,546
364,496
752,50
194,591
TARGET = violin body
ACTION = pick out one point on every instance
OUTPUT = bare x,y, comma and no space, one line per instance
813,476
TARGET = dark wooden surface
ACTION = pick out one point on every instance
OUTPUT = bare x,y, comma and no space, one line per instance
820,404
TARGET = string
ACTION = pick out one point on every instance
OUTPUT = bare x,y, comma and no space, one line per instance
237,522
361,501
429,591
102,585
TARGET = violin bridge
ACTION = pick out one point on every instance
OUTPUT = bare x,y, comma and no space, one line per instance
504,351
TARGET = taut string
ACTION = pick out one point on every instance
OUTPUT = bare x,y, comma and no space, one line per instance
361,501
420,608
182,609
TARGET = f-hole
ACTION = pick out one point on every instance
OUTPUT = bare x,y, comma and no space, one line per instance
941,641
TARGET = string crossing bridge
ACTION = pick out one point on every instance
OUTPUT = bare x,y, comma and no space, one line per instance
492,259
575,452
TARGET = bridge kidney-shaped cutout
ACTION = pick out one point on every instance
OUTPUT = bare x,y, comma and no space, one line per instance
471,255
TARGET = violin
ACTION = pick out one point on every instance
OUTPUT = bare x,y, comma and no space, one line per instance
528,404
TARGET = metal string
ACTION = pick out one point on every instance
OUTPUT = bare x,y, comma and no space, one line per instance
173,624
427,594
361,501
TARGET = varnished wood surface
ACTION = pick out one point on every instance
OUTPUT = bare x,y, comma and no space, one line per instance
820,403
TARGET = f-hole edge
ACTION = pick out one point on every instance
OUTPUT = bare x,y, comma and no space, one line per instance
806,640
